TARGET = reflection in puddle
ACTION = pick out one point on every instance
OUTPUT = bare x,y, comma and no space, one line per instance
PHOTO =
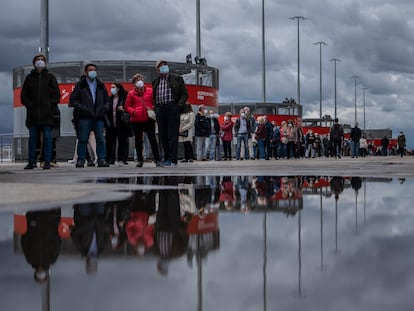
220,242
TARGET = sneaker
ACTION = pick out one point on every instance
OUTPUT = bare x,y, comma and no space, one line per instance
102,163
30,166
158,164
91,163
46,166
184,161
140,164
54,164
73,161
124,162
80,163
167,163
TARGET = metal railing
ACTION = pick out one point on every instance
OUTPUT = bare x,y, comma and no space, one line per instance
6,148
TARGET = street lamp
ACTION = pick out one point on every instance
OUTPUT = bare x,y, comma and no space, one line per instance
363,92
298,18
355,79
335,60
263,54
320,79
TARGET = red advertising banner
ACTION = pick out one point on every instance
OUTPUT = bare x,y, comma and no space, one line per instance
197,95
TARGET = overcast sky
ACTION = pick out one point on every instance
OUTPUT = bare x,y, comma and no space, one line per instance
372,38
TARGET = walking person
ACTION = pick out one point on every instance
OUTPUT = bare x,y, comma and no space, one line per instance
138,101
170,96
401,143
117,131
186,132
40,95
91,101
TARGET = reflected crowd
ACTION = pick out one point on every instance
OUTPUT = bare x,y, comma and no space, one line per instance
170,217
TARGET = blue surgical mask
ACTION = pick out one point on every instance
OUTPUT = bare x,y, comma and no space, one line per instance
113,90
92,74
164,69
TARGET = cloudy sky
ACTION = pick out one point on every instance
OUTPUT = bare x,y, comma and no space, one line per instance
372,38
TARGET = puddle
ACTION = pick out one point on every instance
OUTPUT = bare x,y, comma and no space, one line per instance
217,243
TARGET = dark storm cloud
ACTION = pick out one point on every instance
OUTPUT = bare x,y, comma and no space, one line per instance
373,39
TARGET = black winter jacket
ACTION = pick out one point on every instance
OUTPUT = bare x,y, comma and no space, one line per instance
40,95
178,90
81,100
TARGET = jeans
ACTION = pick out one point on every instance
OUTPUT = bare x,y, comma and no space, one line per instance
211,146
34,132
244,137
85,127
355,148
200,147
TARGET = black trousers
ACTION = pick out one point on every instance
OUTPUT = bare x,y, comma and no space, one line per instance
168,119
148,127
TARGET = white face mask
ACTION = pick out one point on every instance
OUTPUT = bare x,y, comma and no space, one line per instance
40,64
205,111
139,84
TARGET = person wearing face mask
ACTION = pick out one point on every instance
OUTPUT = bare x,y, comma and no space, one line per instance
242,129
202,129
90,100
138,101
40,95
170,97
117,132
227,135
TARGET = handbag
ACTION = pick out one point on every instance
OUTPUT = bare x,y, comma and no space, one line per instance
125,118
183,133
151,114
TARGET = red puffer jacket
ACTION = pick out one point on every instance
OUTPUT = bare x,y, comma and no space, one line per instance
137,105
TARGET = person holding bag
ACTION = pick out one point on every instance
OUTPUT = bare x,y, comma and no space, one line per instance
117,131
138,101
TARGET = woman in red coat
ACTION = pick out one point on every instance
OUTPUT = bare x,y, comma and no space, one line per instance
227,135
137,102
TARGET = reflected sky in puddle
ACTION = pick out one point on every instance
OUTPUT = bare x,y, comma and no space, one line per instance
218,243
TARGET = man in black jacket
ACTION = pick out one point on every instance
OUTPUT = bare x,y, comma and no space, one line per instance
91,101
170,96
40,95
355,137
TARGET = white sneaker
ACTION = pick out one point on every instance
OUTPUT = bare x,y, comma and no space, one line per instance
72,161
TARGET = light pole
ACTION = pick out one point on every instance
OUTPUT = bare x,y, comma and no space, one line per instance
198,32
263,54
320,79
44,28
363,94
298,18
355,79
335,60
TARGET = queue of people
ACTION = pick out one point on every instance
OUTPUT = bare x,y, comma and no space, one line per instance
161,116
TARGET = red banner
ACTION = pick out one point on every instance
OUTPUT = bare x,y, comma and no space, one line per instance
197,95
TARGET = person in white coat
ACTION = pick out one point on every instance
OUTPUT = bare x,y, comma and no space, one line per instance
186,132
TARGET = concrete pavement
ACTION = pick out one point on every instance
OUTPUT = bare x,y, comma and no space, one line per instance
38,188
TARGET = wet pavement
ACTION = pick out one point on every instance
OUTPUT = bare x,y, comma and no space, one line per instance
319,234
